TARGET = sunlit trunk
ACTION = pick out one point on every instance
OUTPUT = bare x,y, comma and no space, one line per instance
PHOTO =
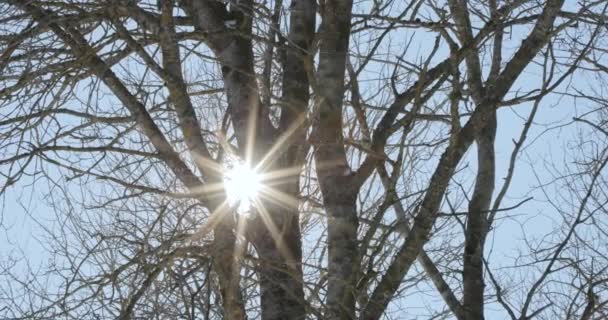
342,251
335,176
278,240
227,271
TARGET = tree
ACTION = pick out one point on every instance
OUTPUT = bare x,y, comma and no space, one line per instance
132,111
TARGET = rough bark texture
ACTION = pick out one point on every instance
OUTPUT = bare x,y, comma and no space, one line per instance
226,268
342,250
281,287
335,178
473,291
278,240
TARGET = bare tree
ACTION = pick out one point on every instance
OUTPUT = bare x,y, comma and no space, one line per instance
358,119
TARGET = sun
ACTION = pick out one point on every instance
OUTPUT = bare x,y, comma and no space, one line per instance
242,184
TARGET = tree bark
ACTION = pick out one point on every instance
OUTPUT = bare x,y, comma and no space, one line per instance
227,269
342,247
280,268
278,239
335,176
473,300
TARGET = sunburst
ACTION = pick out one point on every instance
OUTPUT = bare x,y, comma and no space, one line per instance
243,185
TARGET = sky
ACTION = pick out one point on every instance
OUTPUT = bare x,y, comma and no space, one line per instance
26,209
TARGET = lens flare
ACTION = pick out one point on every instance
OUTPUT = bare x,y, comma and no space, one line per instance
242,184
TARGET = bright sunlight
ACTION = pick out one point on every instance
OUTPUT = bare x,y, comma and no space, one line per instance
242,185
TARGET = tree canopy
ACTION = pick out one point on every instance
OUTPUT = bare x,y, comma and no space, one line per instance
331,159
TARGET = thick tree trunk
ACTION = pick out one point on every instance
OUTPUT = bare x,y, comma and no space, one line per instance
476,223
278,240
276,232
280,270
342,247
335,176
227,270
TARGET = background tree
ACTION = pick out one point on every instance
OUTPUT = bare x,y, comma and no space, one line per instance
374,128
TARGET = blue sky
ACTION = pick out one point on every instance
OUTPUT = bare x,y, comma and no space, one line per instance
553,138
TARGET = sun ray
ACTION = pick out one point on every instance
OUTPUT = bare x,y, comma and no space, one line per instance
241,239
272,176
212,221
273,231
278,197
279,143
208,189
250,191
214,168
252,123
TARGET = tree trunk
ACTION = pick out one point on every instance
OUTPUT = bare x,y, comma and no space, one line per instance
342,247
280,270
476,223
227,270
278,239
335,176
